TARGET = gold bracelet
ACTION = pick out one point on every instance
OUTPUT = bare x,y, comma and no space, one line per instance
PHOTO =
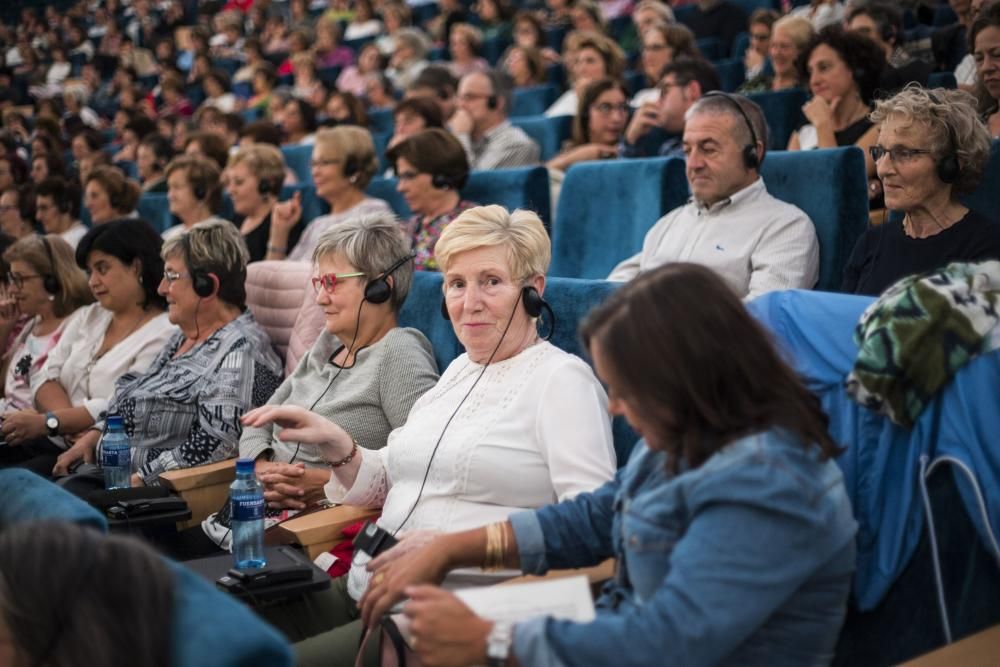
347,459
495,543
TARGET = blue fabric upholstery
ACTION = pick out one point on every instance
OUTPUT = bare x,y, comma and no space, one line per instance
831,187
984,199
381,120
550,133
740,45
24,496
783,111
212,629
881,463
942,80
297,158
605,210
711,48
526,187
154,209
570,300
533,100
731,73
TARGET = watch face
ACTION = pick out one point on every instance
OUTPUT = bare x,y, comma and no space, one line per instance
52,423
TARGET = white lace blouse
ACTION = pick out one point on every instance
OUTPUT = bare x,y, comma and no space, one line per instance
535,430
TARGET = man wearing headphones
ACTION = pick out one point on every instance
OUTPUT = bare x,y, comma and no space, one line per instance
882,23
481,125
57,207
731,224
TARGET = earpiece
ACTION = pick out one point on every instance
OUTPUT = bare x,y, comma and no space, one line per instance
948,169
266,188
492,102
532,300
199,192
351,166
378,290
49,282
201,281
441,182
751,158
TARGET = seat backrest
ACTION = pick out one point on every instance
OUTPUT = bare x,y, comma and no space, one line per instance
297,158
24,496
569,299
942,80
984,198
205,618
548,133
783,111
605,210
154,209
381,120
731,73
533,100
281,298
831,187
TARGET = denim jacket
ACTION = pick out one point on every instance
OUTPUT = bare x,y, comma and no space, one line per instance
746,560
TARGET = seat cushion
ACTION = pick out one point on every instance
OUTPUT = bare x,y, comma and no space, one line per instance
276,292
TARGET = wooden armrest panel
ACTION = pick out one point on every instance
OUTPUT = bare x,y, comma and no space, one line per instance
979,650
204,488
596,575
319,531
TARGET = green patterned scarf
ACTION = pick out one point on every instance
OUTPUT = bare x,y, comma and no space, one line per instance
917,335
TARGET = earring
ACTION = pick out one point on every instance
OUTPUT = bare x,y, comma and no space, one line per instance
52,297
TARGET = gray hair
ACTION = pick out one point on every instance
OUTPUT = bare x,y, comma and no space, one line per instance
214,246
414,40
953,128
726,104
372,244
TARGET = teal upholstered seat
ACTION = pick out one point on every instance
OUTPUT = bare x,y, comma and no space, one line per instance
830,185
297,158
549,133
24,496
533,100
605,210
783,111
985,198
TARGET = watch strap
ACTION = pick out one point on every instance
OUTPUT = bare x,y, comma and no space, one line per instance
498,644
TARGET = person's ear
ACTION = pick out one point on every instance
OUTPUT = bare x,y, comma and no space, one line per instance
693,91
538,282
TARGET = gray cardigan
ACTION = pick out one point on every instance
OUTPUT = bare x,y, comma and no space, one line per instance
368,399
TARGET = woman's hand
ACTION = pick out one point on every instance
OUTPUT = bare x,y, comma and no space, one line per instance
24,425
444,631
425,565
408,543
300,425
286,214
592,152
753,59
646,117
819,112
292,485
82,450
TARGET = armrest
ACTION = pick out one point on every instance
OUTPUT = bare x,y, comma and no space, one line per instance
318,532
596,575
204,488
981,648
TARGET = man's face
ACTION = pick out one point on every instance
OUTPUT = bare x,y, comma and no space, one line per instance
473,96
864,25
675,99
713,144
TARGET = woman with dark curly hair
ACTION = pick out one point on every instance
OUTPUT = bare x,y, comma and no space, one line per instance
843,70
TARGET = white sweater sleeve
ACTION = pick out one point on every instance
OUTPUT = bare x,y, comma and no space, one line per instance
370,487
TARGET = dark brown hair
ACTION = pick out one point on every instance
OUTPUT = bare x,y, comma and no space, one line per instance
689,357
123,193
581,123
435,151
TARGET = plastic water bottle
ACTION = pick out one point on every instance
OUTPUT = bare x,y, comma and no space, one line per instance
246,497
116,455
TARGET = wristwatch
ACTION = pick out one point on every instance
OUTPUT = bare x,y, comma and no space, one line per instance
52,423
498,644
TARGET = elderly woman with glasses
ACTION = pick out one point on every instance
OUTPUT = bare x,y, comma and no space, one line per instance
364,372
185,409
931,149
343,163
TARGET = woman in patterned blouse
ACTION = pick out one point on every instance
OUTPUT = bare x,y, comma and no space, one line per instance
431,167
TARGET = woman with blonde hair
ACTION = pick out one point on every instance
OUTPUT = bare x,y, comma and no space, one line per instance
465,43
254,178
790,35
343,163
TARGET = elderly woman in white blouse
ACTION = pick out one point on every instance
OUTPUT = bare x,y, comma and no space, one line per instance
513,423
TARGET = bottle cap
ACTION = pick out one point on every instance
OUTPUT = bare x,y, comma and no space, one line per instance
115,421
245,466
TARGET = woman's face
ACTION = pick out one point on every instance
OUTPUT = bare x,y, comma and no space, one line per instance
39,170
291,119
608,117
337,110
182,302
783,52
6,175
96,199
517,66
31,296
145,162
328,172
987,55
244,189
11,222
115,285
760,38
416,187
829,76
341,306
368,60
180,194
408,123
459,46
488,11
525,35
656,54
911,182
582,20
588,65
481,295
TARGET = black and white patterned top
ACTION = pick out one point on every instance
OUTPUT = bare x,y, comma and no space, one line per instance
185,411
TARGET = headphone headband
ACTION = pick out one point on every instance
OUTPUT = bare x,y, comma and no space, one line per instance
750,155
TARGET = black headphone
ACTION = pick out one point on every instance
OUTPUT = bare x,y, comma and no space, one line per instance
378,290
534,304
948,169
351,166
441,181
49,282
199,192
751,158
492,102
265,187
201,281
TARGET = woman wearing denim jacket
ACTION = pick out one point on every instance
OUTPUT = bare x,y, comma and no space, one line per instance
730,524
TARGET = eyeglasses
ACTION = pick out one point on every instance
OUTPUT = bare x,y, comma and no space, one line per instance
667,85
898,154
407,175
654,47
760,36
172,276
472,97
17,279
605,108
8,207
329,281
314,163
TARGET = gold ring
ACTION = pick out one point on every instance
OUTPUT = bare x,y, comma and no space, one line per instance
377,579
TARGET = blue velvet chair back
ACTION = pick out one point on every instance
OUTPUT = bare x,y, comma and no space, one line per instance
570,300
549,133
985,199
942,80
533,100
297,158
24,496
605,210
783,111
381,120
831,187
731,73
154,209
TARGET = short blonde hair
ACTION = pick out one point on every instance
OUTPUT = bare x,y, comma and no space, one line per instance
953,128
51,255
352,143
472,35
265,162
520,232
217,247
662,9
798,28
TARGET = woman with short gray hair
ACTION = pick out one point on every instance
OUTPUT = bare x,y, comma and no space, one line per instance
931,148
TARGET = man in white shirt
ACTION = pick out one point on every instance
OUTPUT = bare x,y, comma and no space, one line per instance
731,224
481,125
